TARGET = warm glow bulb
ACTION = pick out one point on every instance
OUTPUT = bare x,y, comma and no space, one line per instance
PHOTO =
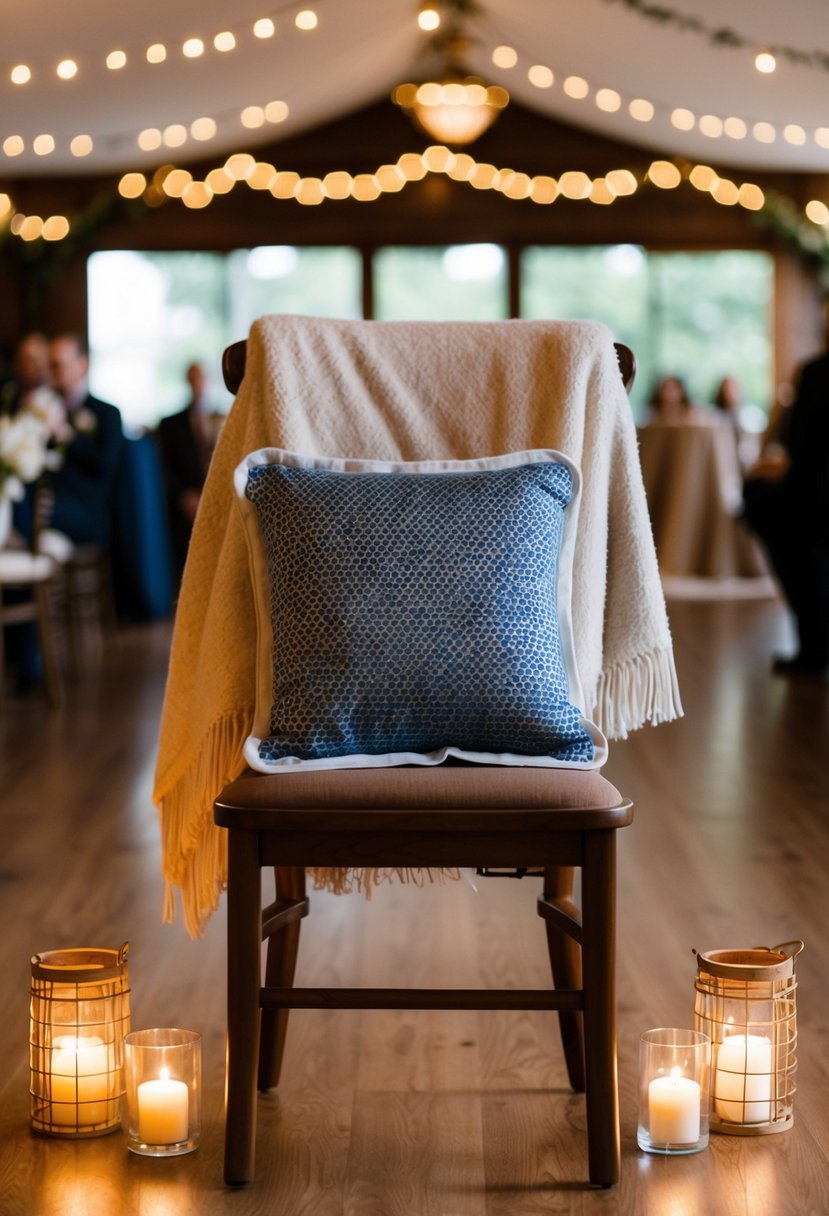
428,18
225,41
252,117
621,181
55,228
66,69
337,184
5,205
822,137
735,128
574,184
711,125
664,175
116,60
219,181
751,197
196,195
794,134
641,110
764,132
309,192
576,87
149,139
544,189
203,128
276,111
240,165
703,177
81,145
156,53
13,145
765,62
306,19
20,74
132,185
264,28
175,135
192,48
541,76
31,228
505,57
608,100
43,145
682,119
365,188
262,176
817,211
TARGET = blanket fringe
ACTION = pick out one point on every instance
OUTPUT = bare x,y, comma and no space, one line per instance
195,849
642,689
342,881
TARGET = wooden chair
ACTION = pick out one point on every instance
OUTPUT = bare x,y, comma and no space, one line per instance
38,578
553,821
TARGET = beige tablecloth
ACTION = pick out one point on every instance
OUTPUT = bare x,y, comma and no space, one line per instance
693,486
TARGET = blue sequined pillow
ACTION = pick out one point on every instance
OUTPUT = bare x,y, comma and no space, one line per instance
408,612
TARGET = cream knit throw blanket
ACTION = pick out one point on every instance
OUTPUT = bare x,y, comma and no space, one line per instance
410,391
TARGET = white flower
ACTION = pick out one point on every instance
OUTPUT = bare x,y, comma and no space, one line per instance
24,443
47,407
84,421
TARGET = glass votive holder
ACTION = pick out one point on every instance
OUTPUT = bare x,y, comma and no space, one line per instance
163,1091
673,1091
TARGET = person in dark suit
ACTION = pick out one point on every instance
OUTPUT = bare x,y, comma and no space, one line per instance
787,504
94,444
185,444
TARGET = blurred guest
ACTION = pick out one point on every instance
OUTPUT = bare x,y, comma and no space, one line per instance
30,370
787,504
185,443
93,444
730,410
670,402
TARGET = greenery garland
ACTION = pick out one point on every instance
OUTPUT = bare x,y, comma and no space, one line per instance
810,241
722,35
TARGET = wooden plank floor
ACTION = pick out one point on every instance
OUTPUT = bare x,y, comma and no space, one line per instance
459,1114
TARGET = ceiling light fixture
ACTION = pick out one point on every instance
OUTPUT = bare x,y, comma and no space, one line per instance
452,107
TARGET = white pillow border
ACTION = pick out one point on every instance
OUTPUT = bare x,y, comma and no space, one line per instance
260,578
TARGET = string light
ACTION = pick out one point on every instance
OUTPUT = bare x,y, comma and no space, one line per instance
765,62
503,56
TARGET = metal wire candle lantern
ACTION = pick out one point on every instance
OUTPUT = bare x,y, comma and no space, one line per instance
745,1003
80,1013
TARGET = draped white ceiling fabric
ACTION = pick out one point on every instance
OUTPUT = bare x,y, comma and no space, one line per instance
691,55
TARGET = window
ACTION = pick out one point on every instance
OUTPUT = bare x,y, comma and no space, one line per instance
152,314
701,316
455,283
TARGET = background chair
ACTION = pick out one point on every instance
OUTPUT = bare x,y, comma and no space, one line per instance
553,821
36,580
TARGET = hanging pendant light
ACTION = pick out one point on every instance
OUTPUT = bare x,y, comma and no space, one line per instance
453,107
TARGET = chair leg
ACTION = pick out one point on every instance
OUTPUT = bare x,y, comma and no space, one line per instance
599,967
279,973
48,649
244,938
565,962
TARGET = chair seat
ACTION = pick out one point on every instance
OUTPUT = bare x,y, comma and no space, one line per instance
453,814
20,566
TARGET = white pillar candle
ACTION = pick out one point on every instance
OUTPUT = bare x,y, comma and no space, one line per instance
673,1109
163,1110
79,1081
743,1077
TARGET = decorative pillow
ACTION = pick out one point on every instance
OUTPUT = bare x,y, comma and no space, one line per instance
412,611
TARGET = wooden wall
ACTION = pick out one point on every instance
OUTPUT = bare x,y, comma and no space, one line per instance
45,286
